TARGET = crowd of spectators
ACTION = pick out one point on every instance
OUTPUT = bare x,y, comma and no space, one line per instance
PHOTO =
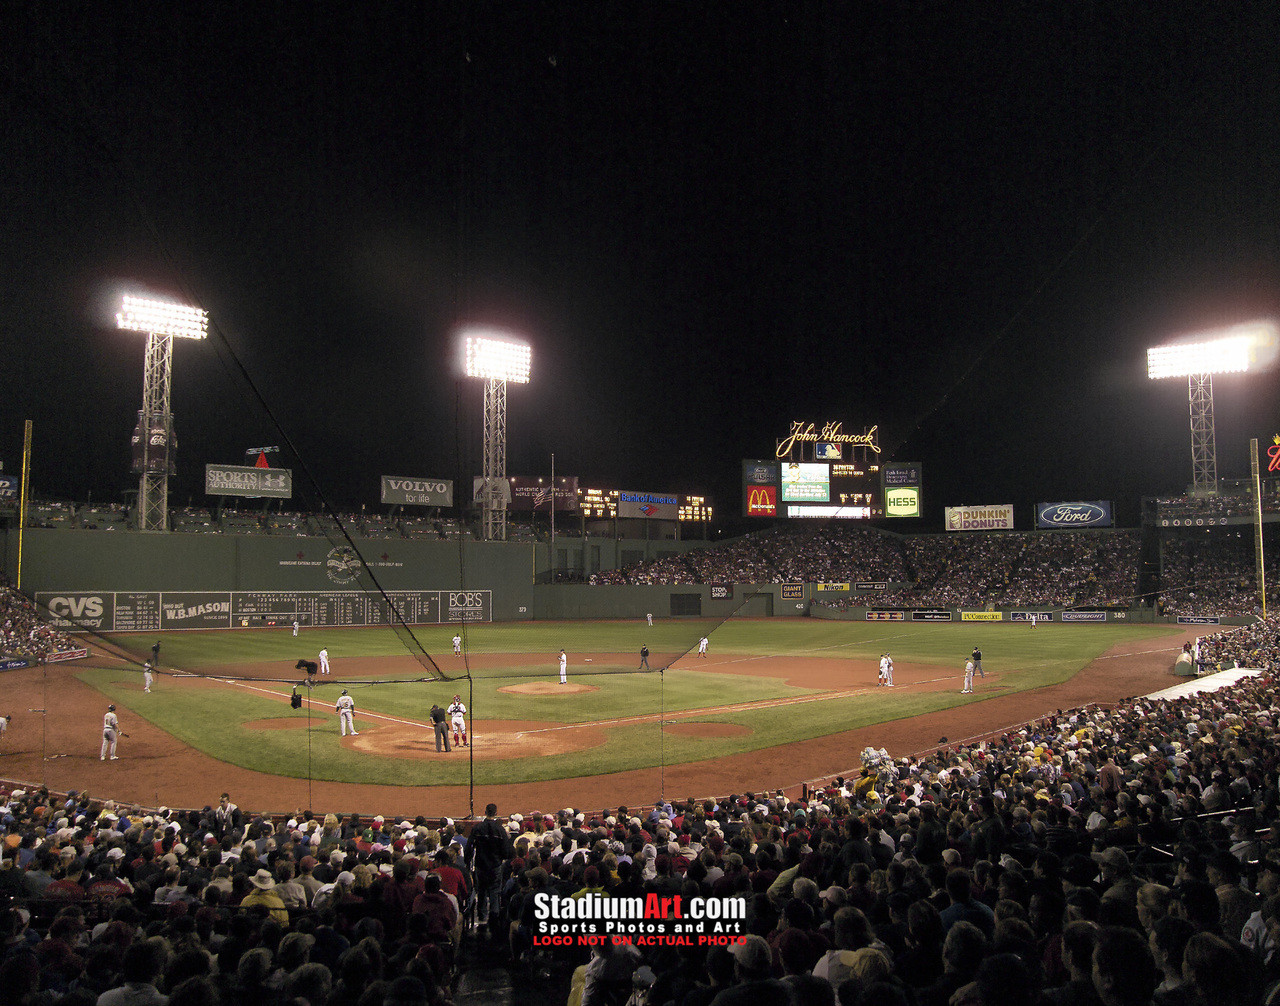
1237,502
1008,568
24,633
778,555
1125,856
1211,574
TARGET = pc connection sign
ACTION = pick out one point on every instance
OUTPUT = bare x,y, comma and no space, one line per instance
651,920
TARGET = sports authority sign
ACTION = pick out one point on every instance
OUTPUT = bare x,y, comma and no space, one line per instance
979,518
238,480
399,490
654,506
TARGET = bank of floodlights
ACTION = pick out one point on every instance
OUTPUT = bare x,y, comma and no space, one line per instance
162,321
499,359
496,359
1240,349
159,317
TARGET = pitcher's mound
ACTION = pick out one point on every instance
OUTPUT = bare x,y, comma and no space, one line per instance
547,688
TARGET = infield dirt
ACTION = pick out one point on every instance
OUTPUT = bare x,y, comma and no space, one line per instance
61,749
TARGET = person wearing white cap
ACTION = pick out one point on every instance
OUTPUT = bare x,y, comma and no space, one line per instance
564,668
110,734
346,708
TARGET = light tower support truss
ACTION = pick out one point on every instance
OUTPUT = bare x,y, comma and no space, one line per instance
153,486
494,461
162,321
1204,452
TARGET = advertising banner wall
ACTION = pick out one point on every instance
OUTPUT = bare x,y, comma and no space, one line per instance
885,616
655,506
981,616
902,481
979,518
153,611
931,615
762,501
9,487
399,490
530,492
1091,513
793,591
1027,616
239,480
195,611
722,592
1084,616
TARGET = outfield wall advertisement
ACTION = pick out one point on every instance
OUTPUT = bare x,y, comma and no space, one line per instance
979,518
1091,513
238,480
400,490
105,611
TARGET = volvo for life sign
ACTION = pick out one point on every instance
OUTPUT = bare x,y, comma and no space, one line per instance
237,480
400,490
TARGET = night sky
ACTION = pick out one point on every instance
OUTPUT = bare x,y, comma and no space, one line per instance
961,222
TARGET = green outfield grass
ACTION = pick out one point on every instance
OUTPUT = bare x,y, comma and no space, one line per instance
214,720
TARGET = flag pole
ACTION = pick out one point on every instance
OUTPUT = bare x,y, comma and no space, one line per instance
553,517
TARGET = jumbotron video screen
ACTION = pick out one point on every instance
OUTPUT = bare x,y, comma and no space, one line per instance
817,489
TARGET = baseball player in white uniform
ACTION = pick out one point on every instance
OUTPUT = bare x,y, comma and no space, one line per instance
346,709
702,647
4,724
564,668
888,671
884,670
968,677
295,626
147,676
650,617
457,646
458,714
324,661
110,734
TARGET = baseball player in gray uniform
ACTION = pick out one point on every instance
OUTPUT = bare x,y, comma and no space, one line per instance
110,734
147,676
346,708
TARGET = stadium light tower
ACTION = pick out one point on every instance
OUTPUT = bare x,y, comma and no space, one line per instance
1242,348
163,322
496,359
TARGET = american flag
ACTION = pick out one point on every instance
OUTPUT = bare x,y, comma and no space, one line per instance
540,497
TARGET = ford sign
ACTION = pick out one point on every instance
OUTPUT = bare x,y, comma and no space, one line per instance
1093,513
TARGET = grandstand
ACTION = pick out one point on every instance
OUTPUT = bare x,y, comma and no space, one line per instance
1077,818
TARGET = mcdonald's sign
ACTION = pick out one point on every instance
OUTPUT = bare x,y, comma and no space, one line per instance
762,501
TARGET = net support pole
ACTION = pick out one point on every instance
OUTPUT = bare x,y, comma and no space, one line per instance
1258,557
